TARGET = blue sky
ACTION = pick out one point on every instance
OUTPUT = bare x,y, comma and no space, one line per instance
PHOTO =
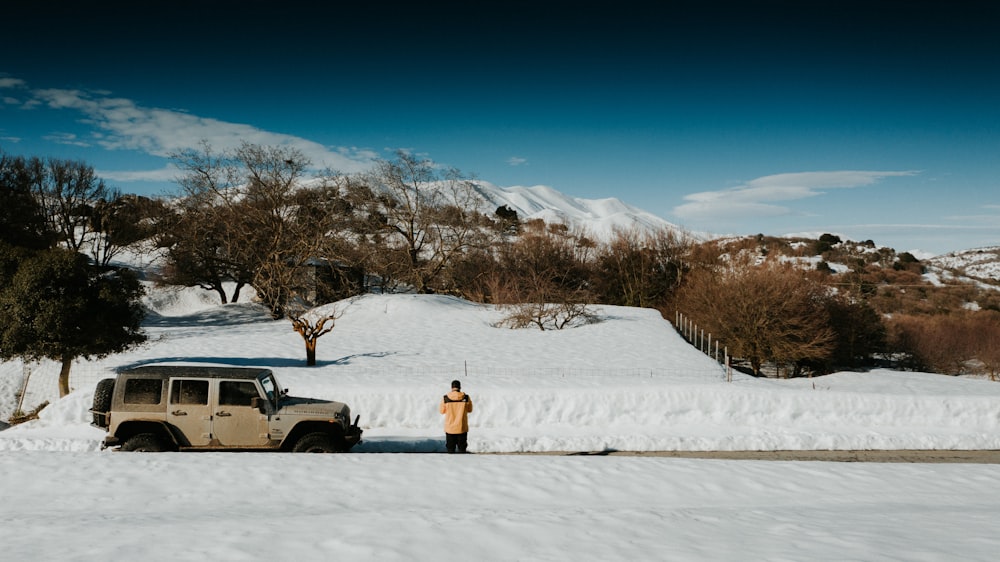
872,120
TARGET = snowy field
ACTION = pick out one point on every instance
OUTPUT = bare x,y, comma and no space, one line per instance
627,383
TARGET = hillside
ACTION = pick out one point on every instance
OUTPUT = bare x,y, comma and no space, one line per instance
979,264
598,217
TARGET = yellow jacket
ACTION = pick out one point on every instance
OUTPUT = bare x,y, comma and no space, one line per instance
456,406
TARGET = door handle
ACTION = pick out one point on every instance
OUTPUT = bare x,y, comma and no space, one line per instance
178,413
223,414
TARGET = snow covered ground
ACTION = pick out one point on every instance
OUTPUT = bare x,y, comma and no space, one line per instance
626,383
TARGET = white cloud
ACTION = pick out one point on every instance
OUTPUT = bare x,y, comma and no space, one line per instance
516,161
166,174
986,219
8,82
121,124
66,138
759,196
819,180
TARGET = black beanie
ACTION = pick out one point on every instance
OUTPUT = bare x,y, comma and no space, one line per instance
457,385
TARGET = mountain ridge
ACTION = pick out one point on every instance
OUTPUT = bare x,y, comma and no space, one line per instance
597,217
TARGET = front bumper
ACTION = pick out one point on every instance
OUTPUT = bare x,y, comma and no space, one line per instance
352,435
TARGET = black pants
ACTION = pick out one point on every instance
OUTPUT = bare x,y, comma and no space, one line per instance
456,440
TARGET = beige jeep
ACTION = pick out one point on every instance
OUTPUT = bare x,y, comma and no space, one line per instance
173,408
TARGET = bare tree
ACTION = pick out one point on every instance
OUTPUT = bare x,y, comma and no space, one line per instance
767,312
276,222
69,191
547,315
640,268
313,324
543,280
202,250
22,219
424,219
123,222
986,342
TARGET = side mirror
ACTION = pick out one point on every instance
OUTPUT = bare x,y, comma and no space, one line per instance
259,403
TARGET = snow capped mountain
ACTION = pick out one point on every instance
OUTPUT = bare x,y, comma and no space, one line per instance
598,217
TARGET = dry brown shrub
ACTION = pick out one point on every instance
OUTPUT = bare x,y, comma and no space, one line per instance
770,312
952,344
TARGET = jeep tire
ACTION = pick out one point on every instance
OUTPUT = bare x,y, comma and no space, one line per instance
144,442
102,401
316,442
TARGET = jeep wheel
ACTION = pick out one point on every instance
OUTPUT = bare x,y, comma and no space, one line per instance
102,401
144,442
317,442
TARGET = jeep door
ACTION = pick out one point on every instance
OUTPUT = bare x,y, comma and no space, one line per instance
236,423
189,410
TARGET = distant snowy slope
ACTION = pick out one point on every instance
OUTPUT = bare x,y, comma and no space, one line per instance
599,217
978,263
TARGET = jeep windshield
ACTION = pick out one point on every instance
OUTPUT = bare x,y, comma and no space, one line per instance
271,388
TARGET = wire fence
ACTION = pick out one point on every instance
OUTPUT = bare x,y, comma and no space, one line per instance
28,384
689,330
499,372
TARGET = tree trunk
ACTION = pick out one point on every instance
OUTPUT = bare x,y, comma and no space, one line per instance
67,362
310,352
236,291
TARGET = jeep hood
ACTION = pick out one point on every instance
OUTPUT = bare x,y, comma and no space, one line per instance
311,406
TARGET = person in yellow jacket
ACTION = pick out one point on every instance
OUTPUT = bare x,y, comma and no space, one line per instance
456,406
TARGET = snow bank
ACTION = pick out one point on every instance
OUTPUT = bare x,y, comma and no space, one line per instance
244,506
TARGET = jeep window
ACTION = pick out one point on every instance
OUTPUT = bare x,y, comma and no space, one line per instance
143,391
237,393
268,384
189,392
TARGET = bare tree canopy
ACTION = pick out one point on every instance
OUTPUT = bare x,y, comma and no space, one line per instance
313,324
766,312
69,191
425,219
263,219
22,220
638,268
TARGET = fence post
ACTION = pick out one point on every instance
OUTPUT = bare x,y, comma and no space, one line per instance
25,376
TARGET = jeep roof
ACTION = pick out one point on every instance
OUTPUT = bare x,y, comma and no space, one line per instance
200,371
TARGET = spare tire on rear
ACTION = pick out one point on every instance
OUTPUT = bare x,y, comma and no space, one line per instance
102,401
